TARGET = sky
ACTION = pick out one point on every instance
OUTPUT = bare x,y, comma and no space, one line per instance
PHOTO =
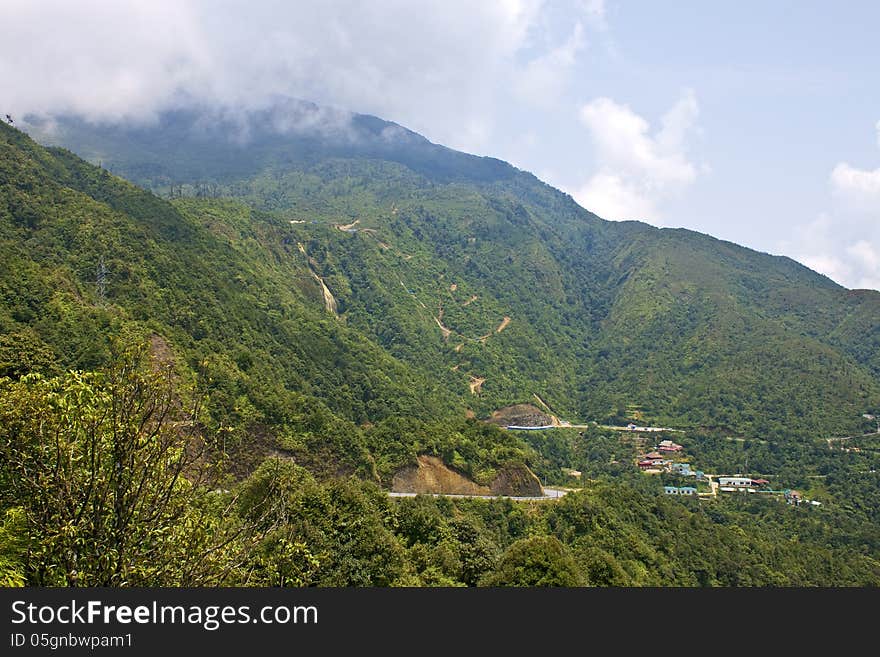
755,122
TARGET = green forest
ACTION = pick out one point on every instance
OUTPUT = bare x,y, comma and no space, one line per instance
214,359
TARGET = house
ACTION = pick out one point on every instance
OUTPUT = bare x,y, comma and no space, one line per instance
647,464
760,482
679,490
669,446
653,456
681,469
735,482
793,497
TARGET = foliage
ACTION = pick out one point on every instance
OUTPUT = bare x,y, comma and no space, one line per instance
103,469
536,561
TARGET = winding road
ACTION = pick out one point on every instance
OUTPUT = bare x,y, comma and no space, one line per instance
549,494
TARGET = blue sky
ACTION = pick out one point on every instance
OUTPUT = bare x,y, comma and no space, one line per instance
756,122
781,95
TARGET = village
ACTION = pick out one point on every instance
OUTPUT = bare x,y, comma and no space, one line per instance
666,457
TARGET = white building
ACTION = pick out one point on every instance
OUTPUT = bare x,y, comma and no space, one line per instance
736,482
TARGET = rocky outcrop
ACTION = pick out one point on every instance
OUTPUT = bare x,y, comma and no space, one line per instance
430,475
518,481
521,415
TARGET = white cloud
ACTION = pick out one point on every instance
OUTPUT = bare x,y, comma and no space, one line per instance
445,68
543,79
832,246
858,188
637,171
855,189
845,245
832,267
99,58
612,197
867,258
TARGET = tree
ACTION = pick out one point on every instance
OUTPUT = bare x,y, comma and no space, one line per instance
24,352
536,561
476,553
307,533
12,549
105,467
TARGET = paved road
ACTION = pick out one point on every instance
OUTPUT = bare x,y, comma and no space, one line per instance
640,429
564,424
549,494
713,485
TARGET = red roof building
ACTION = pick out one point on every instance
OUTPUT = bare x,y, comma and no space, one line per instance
669,446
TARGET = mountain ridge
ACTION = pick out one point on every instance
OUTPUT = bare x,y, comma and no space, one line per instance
609,294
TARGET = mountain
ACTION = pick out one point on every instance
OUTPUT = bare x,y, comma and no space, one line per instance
228,340
495,287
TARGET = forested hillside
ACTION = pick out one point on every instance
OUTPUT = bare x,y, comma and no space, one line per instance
427,251
291,315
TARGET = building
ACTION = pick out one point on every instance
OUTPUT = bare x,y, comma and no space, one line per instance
735,482
680,490
683,469
669,446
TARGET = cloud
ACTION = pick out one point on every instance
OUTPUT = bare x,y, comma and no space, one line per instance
845,244
857,188
594,14
637,172
841,249
542,80
97,58
613,197
445,68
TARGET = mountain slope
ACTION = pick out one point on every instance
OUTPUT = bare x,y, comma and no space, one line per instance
238,315
491,285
